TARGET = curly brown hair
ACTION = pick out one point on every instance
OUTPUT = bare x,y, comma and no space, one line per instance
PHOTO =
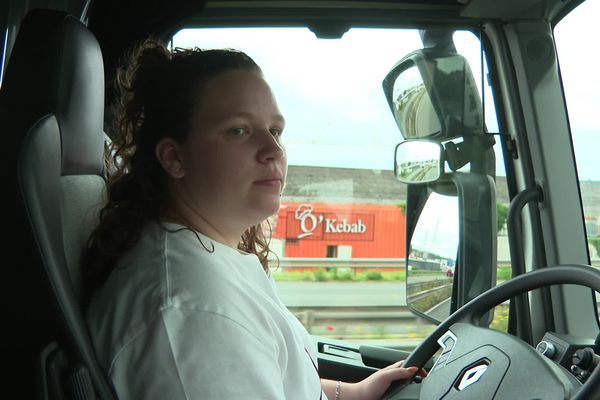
158,92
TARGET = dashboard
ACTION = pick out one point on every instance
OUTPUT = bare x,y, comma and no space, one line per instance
577,355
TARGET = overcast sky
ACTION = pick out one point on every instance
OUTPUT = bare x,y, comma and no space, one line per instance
330,91
437,229
577,43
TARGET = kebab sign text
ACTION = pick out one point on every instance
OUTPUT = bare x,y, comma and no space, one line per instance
306,222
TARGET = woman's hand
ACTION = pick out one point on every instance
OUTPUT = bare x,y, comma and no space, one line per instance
373,387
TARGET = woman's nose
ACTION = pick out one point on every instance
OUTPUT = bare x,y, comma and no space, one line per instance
271,147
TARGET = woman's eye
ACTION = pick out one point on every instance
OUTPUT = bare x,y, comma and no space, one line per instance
276,132
239,131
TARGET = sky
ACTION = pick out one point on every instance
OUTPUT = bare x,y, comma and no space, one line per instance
577,39
329,90
437,229
330,93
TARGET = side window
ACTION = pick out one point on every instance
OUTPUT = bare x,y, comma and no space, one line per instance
3,50
340,232
581,83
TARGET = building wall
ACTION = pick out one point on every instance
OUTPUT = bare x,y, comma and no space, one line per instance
362,230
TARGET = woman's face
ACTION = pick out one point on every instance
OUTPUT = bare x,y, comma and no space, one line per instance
234,162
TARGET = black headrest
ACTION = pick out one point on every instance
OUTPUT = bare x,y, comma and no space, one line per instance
56,68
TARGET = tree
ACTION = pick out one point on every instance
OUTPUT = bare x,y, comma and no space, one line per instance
502,214
402,205
595,241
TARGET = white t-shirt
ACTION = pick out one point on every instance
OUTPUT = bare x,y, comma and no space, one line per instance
174,321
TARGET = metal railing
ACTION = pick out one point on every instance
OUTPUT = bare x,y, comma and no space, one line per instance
307,262
302,262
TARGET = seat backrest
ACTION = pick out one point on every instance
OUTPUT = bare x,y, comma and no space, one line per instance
51,108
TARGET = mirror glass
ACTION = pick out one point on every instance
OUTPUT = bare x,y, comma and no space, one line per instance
413,110
432,258
418,161
434,95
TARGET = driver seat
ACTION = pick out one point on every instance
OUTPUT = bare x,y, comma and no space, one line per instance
51,113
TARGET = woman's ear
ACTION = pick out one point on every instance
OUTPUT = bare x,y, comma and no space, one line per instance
167,154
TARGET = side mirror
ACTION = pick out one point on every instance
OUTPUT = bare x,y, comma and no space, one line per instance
451,243
432,94
431,260
418,161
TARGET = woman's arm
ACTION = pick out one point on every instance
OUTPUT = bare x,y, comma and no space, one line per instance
178,357
371,388
347,391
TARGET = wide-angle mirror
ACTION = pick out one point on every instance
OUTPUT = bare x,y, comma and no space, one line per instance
412,106
431,261
433,94
418,161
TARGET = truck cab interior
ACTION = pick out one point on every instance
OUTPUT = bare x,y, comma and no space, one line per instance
477,101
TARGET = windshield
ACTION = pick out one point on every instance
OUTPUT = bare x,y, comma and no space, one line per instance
339,235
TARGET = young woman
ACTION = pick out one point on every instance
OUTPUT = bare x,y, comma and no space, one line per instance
183,304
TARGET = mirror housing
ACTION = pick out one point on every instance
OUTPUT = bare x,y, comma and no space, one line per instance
432,94
475,268
418,161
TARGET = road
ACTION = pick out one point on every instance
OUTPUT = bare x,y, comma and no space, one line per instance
441,311
346,294
342,294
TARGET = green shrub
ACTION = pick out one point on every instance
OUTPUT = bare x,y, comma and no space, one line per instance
502,214
504,273
398,275
374,276
344,276
293,276
321,276
595,242
402,205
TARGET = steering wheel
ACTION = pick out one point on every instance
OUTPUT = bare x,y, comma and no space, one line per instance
481,363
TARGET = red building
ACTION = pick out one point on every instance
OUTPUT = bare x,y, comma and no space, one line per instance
318,230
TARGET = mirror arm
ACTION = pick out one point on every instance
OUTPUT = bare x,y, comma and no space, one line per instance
439,39
456,155
460,154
